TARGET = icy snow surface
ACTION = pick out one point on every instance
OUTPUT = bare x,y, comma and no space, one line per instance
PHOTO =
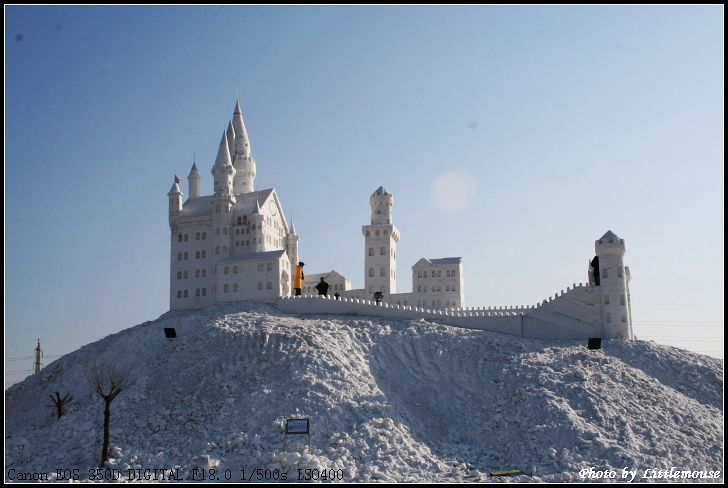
388,401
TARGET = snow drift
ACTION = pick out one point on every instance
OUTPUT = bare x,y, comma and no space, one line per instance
388,400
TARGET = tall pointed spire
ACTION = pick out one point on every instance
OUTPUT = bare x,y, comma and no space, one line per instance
223,153
293,227
175,186
257,206
231,138
242,142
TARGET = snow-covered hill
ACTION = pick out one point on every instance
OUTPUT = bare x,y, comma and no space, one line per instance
388,400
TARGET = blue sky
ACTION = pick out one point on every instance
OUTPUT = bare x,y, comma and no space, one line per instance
565,122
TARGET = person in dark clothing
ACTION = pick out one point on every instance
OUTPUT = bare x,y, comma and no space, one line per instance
323,287
378,297
595,268
336,295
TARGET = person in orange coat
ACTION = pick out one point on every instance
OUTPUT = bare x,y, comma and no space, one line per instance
298,278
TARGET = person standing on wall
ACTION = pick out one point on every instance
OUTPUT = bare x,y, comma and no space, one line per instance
298,278
323,287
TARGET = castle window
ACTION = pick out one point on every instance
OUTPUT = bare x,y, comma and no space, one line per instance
197,254
197,273
433,303
261,267
247,242
235,270
606,299
225,270
447,273
179,256
371,272
235,287
185,294
179,293
419,274
224,249
204,236
382,271
204,273
197,236
453,288
419,289
447,287
204,292
269,267
185,256
371,251
622,301
225,288
368,233
204,254
382,251
260,285
424,274
240,220
217,249
245,219
197,292
179,238
269,286
609,318
604,273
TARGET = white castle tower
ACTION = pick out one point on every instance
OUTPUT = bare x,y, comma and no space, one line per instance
380,245
243,159
614,287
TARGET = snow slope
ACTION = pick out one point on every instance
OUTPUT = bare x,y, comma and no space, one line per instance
388,400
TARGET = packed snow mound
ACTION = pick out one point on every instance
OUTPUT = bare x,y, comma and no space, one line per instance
388,401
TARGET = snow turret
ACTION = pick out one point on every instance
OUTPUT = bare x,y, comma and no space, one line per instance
175,201
613,287
243,159
381,202
193,181
223,170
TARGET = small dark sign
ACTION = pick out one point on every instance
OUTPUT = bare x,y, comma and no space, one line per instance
170,333
298,426
595,343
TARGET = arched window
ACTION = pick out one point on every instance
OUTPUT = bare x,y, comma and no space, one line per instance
424,274
419,289
204,292
371,251
185,294
179,275
179,293
419,274
240,220
606,299
204,236
382,251
197,292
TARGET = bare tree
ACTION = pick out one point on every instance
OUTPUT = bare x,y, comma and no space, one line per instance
108,380
61,402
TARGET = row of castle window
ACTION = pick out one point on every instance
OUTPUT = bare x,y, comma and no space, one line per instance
198,292
383,252
622,300
377,233
260,267
199,273
198,236
182,256
383,272
619,273
609,318
435,288
435,303
226,287
437,273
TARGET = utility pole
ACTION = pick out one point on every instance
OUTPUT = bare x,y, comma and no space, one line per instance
38,365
